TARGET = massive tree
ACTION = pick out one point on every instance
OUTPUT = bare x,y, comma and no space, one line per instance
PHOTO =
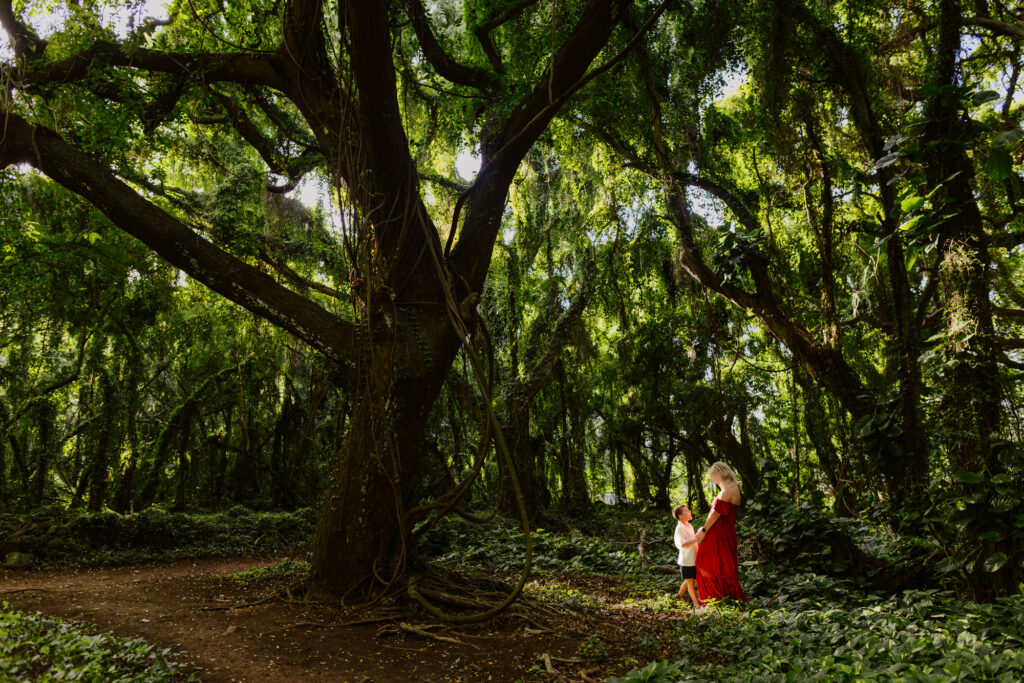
157,125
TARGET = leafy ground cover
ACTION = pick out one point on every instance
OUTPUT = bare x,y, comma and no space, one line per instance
34,647
813,614
594,605
916,636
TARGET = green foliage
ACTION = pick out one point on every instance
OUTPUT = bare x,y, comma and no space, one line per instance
919,635
592,648
84,538
655,672
798,536
499,545
286,569
38,648
988,506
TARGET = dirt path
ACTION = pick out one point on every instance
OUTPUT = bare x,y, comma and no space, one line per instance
197,606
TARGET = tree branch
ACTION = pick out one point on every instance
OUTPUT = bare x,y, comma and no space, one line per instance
1007,312
293,169
995,26
1010,363
502,152
483,31
250,288
25,42
201,66
298,279
445,66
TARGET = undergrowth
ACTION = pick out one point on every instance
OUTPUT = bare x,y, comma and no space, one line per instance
917,636
37,648
55,536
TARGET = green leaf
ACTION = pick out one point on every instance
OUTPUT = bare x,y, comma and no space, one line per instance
983,96
999,165
912,203
968,477
912,223
911,258
1006,138
993,535
995,562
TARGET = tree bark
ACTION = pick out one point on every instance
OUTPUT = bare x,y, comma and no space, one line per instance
971,404
361,540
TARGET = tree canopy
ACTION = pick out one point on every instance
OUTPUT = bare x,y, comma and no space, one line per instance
813,274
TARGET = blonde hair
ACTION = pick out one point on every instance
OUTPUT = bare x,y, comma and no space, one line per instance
724,472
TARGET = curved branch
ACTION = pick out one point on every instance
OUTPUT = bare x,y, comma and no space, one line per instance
203,66
826,365
21,142
503,152
26,43
445,66
995,26
716,189
483,31
293,169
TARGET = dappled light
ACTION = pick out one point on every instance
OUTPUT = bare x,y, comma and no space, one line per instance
511,340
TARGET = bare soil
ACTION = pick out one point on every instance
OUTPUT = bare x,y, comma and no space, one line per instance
244,630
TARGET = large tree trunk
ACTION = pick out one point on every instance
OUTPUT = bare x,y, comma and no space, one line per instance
523,453
571,456
971,404
361,536
816,424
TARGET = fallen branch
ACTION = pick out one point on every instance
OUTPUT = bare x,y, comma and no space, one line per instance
423,632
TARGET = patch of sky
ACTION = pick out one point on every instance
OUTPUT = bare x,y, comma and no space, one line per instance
314,192
730,83
467,165
119,17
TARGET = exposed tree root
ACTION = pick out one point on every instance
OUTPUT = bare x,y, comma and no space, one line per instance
423,631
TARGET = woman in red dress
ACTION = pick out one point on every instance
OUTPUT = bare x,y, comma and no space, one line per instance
717,571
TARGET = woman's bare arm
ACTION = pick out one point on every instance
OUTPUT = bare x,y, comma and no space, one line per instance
712,518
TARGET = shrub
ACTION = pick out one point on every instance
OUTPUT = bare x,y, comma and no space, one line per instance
33,647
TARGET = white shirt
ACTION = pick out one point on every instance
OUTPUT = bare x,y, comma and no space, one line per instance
684,534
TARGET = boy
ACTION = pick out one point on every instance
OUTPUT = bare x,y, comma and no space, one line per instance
686,542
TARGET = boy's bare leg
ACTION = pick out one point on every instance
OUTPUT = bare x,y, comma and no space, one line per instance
682,590
688,585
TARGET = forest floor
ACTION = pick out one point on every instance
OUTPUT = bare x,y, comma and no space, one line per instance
236,629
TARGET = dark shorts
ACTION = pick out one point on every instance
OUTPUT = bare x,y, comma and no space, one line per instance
687,572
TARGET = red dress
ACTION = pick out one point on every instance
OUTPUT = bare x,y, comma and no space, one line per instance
717,574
